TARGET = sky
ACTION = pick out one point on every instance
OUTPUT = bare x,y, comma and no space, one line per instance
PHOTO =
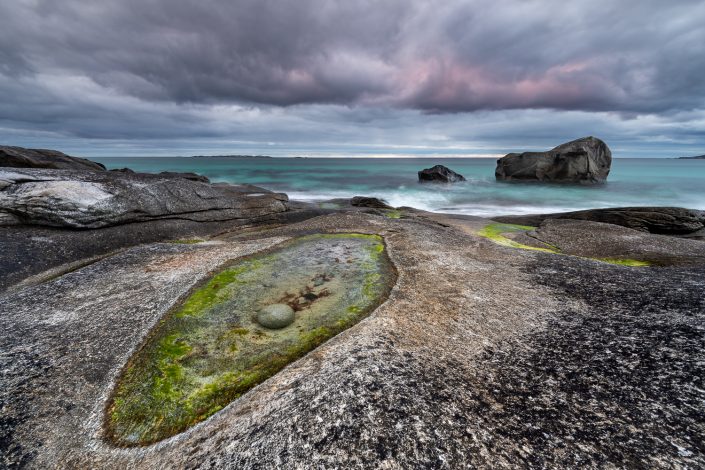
352,78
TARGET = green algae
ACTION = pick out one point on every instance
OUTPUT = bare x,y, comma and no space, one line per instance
209,350
393,214
496,231
624,262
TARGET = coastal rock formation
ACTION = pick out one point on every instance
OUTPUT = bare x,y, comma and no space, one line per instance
373,202
587,160
660,220
571,370
439,174
92,199
19,157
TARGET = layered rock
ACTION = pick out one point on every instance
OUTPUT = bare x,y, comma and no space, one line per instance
439,174
19,157
92,199
587,160
660,220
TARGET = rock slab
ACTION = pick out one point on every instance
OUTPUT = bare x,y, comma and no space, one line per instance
19,157
586,161
92,199
659,220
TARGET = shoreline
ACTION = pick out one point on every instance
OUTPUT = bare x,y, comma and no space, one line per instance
526,340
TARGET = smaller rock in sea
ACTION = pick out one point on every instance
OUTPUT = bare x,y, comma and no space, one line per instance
276,316
439,174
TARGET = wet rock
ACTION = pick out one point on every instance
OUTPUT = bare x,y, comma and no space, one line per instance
660,220
19,157
276,316
187,175
587,160
439,174
83,199
373,202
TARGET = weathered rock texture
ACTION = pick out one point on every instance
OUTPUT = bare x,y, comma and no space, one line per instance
661,220
19,157
586,160
585,364
85,199
439,174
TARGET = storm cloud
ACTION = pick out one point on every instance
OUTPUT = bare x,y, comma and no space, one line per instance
320,70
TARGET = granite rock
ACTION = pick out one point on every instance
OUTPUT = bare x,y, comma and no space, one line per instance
587,160
439,174
19,157
585,364
87,199
661,220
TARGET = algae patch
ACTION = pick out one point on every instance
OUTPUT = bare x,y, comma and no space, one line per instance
496,232
210,349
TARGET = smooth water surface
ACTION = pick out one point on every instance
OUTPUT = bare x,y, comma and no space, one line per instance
632,182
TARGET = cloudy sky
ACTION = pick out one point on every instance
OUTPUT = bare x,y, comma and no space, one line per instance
371,77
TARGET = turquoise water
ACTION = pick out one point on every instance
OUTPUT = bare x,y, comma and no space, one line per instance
632,182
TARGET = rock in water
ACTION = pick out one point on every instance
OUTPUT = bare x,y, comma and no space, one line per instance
93,199
19,157
276,316
439,174
586,160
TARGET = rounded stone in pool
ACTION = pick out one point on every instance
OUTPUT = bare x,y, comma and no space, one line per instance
276,316
216,345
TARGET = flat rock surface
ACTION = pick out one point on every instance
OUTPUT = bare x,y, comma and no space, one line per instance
599,240
483,356
661,220
92,199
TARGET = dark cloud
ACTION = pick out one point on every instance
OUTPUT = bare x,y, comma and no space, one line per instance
450,56
352,72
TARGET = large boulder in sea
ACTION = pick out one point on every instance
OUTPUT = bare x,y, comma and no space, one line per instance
587,161
439,174
20,157
92,199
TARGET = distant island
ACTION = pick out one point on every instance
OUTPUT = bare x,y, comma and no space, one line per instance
230,156
697,157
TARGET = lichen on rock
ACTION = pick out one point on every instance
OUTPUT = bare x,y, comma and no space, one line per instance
213,347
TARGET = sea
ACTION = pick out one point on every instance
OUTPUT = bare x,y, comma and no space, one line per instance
632,182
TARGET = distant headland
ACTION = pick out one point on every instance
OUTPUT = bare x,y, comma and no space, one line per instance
231,156
697,157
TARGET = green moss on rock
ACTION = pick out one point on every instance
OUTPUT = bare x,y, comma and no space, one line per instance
496,231
209,350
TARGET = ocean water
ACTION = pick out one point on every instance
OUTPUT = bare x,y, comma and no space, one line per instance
632,182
